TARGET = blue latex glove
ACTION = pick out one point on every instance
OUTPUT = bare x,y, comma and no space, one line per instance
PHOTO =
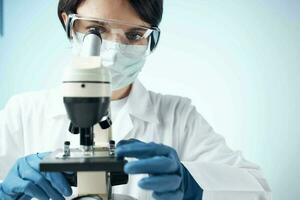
25,181
168,178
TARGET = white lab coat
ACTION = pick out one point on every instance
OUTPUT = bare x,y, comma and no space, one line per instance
37,122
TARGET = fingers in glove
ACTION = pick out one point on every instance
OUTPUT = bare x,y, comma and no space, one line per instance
154,165
142,150
175,195
57,180
15,186
25,197
132,140
161,183
35,159
28,188
26,172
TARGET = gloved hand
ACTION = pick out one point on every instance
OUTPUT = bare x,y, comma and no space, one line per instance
25,181
168,178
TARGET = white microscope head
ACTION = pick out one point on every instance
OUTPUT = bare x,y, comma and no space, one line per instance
87,89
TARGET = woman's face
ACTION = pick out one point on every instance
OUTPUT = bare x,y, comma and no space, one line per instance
116,10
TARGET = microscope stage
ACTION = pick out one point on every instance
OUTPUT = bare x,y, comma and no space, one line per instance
79,161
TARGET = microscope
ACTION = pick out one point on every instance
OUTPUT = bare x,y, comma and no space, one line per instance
92,167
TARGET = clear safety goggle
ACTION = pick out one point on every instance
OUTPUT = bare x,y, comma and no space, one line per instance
115,31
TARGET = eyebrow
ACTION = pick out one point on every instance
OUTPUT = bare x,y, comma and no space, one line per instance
137,29
98,23
104,24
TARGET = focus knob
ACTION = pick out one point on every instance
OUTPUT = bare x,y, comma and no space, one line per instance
105,122
73,129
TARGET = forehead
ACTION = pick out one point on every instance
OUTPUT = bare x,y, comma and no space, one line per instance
120,10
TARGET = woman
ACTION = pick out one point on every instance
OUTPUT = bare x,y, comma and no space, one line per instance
181,155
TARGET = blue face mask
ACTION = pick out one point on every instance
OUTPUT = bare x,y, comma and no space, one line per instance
124,61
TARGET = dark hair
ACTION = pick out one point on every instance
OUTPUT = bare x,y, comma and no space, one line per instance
149,11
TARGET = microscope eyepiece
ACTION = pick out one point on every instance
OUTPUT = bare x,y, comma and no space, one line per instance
92,42
94,31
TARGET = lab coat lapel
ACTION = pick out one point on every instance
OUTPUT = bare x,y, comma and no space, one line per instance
138,106
122,125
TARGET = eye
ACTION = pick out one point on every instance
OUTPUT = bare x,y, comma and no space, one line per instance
101,29
134,36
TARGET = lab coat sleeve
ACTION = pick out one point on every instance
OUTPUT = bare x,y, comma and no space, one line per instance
11,137
223,174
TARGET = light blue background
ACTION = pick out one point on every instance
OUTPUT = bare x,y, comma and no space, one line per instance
239,62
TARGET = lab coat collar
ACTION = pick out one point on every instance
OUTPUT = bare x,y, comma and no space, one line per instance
138,105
